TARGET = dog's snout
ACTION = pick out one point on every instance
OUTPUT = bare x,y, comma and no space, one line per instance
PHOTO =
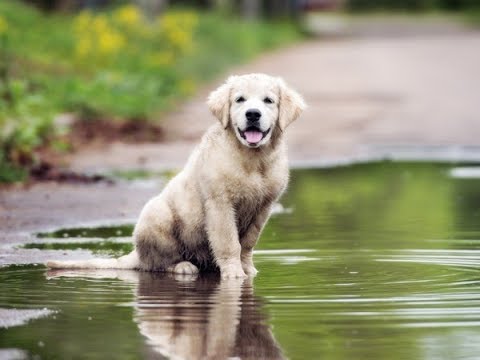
253,115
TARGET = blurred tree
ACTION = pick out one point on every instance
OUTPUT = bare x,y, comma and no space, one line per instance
251,9
152,7
66,5
254,9
53,4
413,5
282,8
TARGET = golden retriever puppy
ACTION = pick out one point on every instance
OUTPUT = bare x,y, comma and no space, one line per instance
211,214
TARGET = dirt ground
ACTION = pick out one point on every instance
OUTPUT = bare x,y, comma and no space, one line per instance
370,97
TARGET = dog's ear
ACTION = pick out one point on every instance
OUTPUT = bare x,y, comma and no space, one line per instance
290,106
219,103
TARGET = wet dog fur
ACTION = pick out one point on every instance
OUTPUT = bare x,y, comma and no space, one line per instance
211,214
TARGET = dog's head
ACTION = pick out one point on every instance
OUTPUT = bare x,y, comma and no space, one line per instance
253,105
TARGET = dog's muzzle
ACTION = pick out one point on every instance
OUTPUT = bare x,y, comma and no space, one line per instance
253,135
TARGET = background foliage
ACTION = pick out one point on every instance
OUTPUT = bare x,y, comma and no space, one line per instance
111,64
414,5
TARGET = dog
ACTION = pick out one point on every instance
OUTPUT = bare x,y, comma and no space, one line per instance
211,214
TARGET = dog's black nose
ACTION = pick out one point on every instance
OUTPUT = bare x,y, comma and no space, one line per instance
253,115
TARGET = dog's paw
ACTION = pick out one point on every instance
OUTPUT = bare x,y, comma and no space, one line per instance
55,264
185,268
232,272
250,270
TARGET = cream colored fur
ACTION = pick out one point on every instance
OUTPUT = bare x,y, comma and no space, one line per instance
211,214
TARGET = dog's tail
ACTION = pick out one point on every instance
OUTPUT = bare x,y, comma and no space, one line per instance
127,262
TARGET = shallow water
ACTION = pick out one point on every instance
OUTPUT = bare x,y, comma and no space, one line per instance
377,261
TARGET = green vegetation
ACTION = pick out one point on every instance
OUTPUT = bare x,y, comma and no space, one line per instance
472,17
412,5
113,65
467,11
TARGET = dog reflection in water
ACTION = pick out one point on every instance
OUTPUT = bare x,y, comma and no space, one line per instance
195,316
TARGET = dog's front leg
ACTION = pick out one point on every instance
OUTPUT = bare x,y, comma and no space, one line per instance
249,240
223,238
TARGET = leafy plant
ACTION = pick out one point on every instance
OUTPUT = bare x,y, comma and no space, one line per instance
109,65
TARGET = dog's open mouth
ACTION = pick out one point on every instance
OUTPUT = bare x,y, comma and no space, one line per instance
253,135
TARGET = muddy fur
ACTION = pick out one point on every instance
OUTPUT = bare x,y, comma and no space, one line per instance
212,213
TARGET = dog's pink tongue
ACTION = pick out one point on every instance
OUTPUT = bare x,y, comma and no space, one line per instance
253,136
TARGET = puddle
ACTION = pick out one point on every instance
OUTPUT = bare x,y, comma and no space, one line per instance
93,232
107,247
375,261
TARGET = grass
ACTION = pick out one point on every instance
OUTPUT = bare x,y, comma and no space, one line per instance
467,13
472,18
110,65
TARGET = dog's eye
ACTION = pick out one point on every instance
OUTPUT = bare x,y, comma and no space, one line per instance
268,100
240,99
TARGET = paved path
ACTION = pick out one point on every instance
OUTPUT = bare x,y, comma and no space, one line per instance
368,97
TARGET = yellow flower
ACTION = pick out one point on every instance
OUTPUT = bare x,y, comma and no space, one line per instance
110,42
96,38
128,15
82,21
100,24
177,28
181,40
3,25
